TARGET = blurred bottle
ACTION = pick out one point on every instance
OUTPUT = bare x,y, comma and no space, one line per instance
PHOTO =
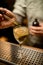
35,23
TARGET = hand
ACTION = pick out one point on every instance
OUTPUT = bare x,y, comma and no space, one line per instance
7,19
36,30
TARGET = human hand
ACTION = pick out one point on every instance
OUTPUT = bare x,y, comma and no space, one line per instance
36,30
6,19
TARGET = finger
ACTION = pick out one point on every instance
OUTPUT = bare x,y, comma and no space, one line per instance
32,32
8,13
36,32
40,32
0,15
6,24
35,28
1,8
41,24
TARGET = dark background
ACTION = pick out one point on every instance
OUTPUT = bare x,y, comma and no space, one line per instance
7,4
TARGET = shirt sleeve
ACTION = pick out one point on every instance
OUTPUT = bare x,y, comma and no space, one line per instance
19,10
19,7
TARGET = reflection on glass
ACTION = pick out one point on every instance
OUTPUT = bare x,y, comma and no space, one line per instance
21,41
